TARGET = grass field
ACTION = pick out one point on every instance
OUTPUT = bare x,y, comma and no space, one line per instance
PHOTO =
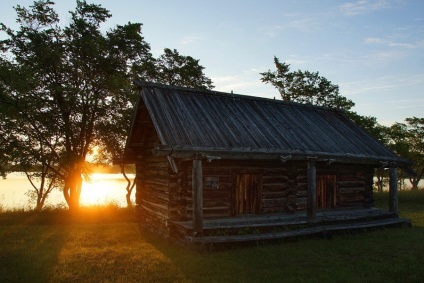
105,245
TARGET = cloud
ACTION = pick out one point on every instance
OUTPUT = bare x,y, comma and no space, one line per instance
373,40
303,24
247,83
363,6
389,43
271,31
383,56
409,106
380,84
365,86
234,83
401,44
190,40
294,60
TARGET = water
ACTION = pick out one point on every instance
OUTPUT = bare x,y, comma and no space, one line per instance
101,189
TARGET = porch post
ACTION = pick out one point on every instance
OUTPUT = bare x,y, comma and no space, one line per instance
197,183
311,193
393,189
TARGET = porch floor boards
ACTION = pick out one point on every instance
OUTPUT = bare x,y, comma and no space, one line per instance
316,230
327,221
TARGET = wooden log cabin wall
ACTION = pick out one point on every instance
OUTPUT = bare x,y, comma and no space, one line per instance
232,187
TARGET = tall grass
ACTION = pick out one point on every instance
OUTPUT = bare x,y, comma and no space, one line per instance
104,245
61,215
411,204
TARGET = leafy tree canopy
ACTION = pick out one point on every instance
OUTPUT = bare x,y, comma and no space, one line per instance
305,87
66,90
172,68
61,87
407,140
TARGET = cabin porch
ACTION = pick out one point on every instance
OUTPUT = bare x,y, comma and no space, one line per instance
250,228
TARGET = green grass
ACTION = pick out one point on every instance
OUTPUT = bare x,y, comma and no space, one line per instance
105,245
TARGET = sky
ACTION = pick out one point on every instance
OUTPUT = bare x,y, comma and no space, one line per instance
372,49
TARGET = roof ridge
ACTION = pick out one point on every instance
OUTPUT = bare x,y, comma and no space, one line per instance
142,84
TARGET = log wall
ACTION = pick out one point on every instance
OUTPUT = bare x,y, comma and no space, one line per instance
283,187
164,195
152,188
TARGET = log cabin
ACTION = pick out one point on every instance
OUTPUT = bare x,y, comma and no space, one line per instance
219,167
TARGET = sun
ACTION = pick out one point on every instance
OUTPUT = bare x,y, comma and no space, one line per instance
97,191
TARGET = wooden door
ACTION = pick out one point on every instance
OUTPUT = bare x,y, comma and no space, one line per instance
248,198
326,191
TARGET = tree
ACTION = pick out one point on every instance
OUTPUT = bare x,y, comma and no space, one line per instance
380,133
170,68
407,140
70,89
310,88
68,84
174,69
305,87
24,152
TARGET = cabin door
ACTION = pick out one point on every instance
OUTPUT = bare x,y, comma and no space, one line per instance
326,191
248,196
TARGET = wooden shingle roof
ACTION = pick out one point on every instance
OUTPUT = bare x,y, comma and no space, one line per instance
233,126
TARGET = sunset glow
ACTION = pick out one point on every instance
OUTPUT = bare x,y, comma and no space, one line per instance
102,189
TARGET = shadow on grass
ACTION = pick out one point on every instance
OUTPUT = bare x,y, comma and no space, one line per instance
31,242
85,215
28,253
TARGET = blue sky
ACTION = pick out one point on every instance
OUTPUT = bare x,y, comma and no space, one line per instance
374,50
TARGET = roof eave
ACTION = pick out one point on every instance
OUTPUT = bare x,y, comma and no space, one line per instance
277,154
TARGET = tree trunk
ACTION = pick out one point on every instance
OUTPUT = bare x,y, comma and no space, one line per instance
414,183
379,176
415,180
128,198
40,203
401,180
129,187
72,189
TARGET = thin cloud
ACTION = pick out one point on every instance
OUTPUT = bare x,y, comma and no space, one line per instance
271,31
374,40
293,60
363,6
359,87
379,84
401,44
382,41
303,24
408,106
386,55
248,83
190,40
234,83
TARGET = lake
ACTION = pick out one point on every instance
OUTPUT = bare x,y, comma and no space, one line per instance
101,189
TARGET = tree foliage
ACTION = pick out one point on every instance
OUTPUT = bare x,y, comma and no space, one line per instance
407,140
63,87
171,68
66,91
305,87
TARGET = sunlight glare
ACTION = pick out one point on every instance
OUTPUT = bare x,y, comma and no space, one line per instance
102,189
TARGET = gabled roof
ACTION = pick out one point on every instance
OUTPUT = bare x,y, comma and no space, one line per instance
225,125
